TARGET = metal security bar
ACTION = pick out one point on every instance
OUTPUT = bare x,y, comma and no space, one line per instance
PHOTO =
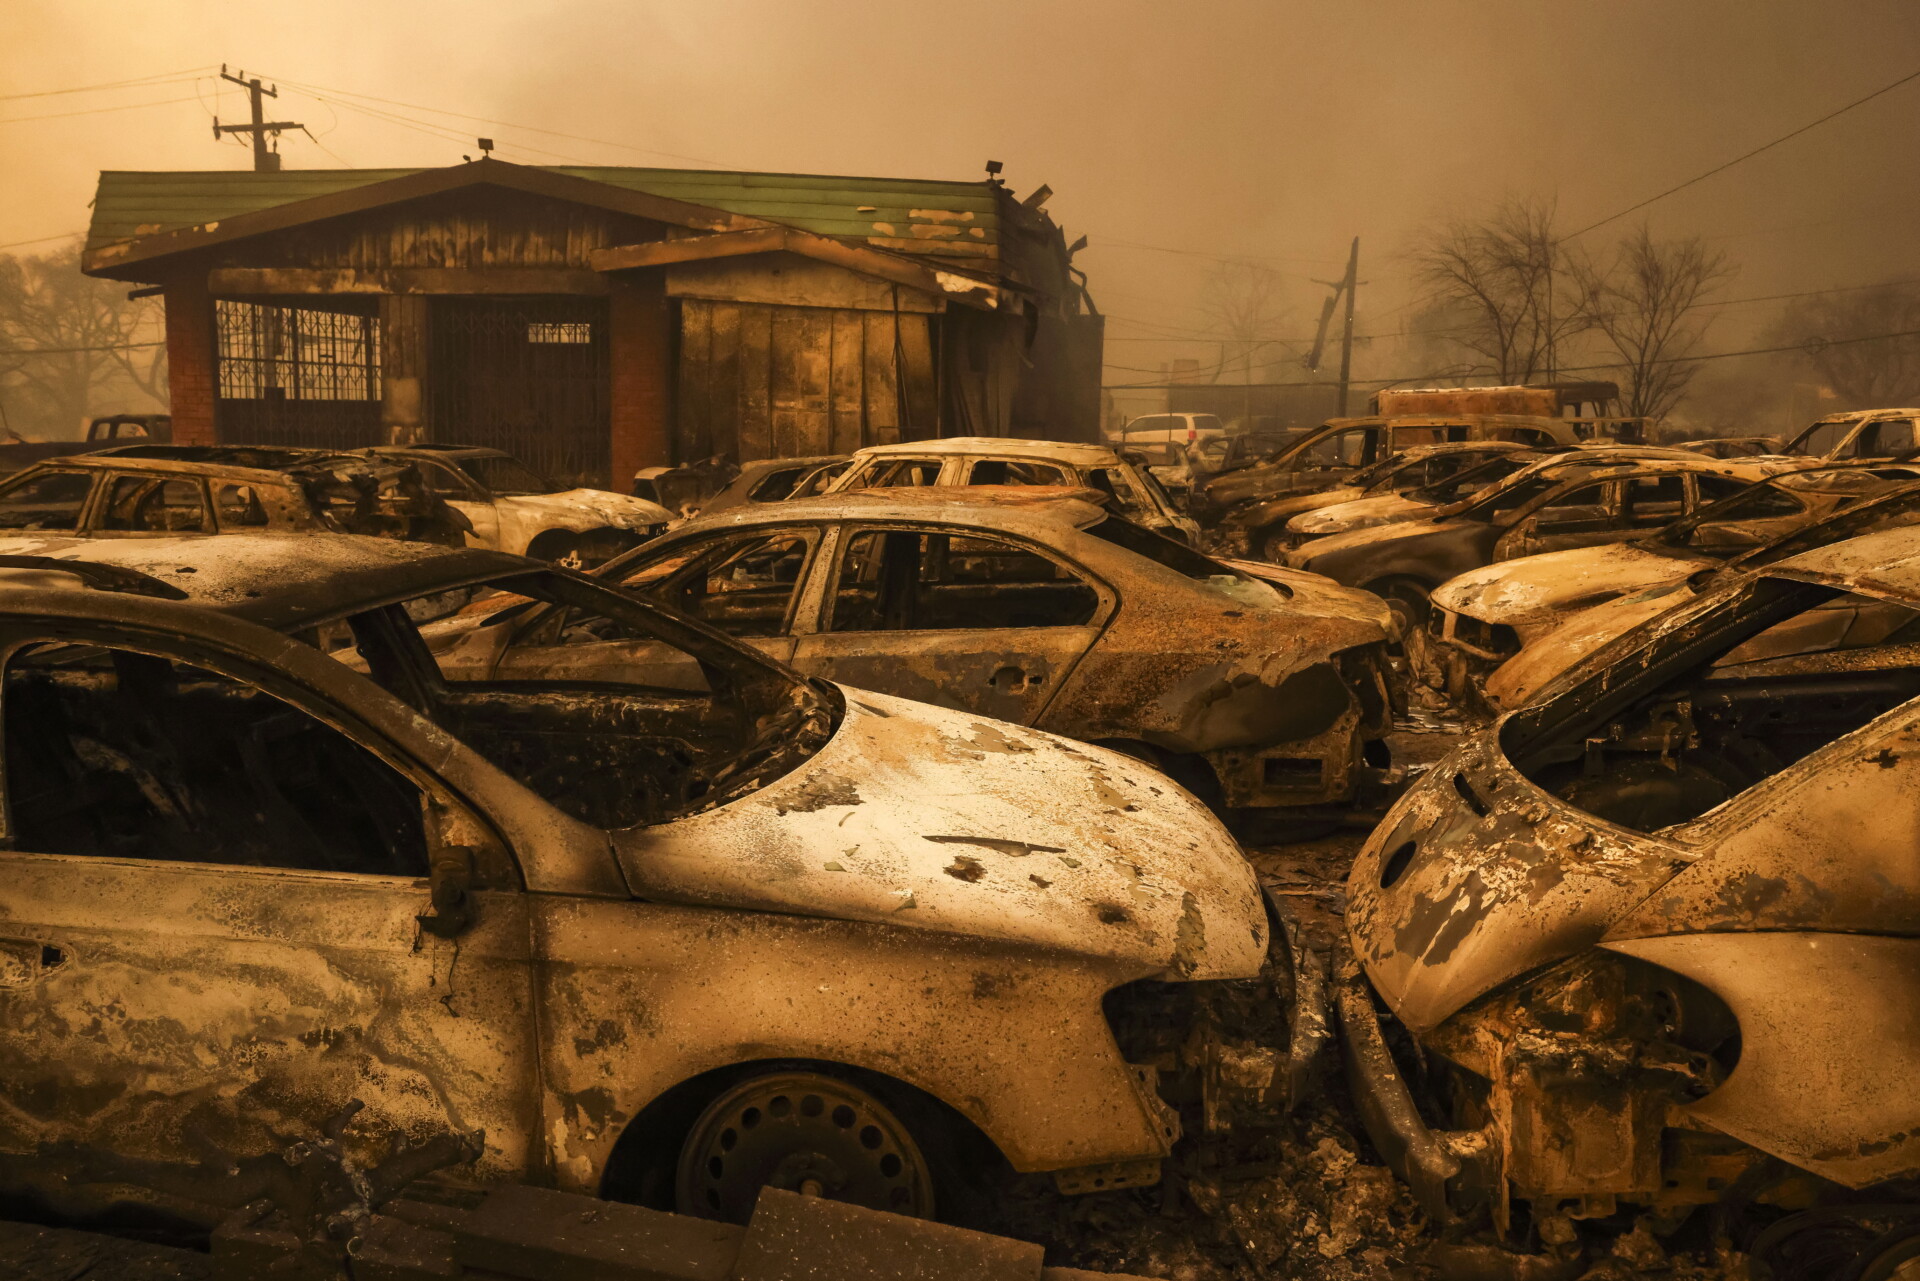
297,376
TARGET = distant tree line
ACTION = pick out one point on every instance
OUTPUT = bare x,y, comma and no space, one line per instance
1508,298
72,347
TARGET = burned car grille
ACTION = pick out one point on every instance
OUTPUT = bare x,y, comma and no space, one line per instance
1495,641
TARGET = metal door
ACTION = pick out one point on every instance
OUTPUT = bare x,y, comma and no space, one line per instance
527,375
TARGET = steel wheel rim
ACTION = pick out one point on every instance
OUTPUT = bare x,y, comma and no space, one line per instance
807,1133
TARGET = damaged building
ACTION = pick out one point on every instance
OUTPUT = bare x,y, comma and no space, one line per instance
595,321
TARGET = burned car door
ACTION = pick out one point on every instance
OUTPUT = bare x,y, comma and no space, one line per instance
1766,513
213,917
1576,516
962,620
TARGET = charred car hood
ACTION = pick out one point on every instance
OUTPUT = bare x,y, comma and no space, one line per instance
1360,513
585,509
1476,877
939,820
1304,556
1317,596
1275,510
1535,589
1516,681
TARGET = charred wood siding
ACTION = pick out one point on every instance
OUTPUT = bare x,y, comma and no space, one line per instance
476,229
764,381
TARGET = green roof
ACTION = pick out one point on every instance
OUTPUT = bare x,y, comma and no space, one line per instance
920,216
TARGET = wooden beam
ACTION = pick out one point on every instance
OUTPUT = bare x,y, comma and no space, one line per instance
950,285
292,281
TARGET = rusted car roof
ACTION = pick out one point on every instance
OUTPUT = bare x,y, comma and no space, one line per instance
1057,450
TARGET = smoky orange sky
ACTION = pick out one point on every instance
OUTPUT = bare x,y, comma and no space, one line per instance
1174,135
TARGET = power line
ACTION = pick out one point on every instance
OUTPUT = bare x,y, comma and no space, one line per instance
190,73
63,351
1721,168
1819,343
94,111
41,240
505,124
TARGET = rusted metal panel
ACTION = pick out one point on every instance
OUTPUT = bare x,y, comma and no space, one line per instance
755,386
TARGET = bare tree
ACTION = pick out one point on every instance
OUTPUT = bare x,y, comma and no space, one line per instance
1245,304
1644,304
1839,334
1500,282
73,345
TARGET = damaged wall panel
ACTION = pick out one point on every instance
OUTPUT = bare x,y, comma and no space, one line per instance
758,380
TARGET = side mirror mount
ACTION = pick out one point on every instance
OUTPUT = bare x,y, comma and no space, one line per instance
450,877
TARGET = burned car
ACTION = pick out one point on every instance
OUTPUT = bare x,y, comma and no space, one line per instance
1255,687
1485,616
1324,458
514,509
1578,500
668,927
1128,485
1264,525
1649,942
1862,434
1893,502
140,491
1419,504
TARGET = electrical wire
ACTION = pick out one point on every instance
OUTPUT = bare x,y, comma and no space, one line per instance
95,111
41,240
63,351
1722,168
190,73
1815,343
314,90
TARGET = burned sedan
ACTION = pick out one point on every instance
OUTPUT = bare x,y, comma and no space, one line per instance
512,508
669,934
1126,481
1654,933
1882,500
1255,687
1264,524
1576,500
1485,616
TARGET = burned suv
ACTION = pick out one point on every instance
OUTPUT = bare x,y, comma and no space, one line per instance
1653,935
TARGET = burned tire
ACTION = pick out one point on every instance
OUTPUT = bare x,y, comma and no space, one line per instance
1408,601
805,1132
1270,544
557,545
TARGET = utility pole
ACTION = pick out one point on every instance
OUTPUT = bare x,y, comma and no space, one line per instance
1343,286
264,161
1351,282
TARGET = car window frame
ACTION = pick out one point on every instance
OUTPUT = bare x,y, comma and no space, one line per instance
102,497
500,868
83,520
704,539
827,572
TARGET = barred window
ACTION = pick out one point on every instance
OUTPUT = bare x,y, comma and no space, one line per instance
296,353
568,331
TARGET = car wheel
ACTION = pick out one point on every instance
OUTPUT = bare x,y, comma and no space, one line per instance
1271,545
556,545
1408,601
807,1133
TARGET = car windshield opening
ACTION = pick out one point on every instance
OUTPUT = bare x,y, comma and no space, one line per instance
1739,688
507,477
612,709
